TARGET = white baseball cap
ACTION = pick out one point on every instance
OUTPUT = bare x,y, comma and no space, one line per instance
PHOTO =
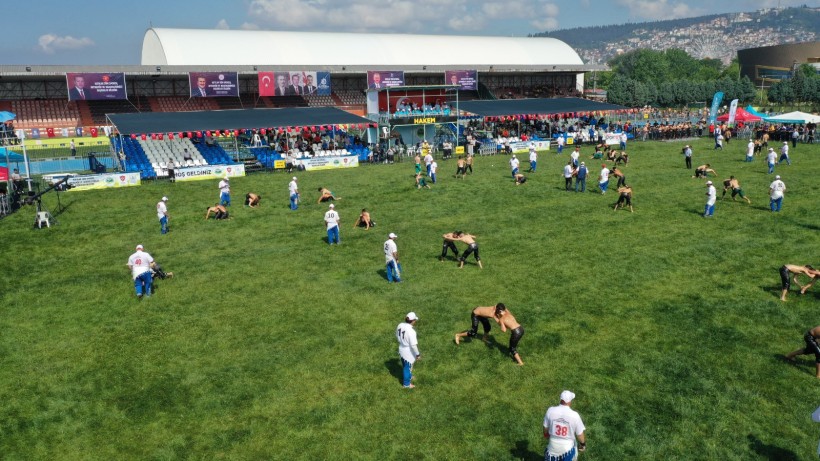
227,178
567,396
708,183
139,247
331,206
392,235
164,199
294,178
412,316
785,142
777,177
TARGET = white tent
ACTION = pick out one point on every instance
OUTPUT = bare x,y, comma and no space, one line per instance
794,117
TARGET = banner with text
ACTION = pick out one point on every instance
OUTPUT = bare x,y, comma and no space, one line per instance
95,86
465,79
328,163
716,100
208,172
295,83
214,84
103,181
524,146
384,78
732,112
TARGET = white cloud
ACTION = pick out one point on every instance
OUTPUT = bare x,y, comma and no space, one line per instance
222,25
399,16
50,43
653,10
249,26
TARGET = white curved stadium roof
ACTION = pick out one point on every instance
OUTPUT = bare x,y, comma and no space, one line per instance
320,50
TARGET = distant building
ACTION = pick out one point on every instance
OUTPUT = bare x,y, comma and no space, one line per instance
768,64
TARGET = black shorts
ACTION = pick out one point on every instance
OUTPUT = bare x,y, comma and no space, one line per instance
784,278
515,337
461,170
326,199
475,319
625,198
811,346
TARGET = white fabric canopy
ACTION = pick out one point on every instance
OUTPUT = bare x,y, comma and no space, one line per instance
795,117
320,50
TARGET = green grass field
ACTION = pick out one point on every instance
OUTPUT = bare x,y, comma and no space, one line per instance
270,344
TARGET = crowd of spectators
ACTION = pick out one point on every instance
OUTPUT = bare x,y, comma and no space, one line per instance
412,109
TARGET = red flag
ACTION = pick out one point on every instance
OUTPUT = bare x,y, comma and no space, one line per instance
50,132
93,131
267,84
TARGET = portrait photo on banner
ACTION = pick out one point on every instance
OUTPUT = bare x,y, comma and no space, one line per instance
377,79
465,79
95,86
214,84
294,83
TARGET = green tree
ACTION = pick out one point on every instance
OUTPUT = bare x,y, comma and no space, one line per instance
642,65
731,71
681,65
710,69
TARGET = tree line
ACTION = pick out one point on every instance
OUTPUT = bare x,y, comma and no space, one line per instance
671,78
804,86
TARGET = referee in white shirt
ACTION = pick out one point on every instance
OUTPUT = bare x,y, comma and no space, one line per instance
562,425
408,348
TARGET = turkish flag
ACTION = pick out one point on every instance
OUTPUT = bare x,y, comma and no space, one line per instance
94,132
267,83
50,132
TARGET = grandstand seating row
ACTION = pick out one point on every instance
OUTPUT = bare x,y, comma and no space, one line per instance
140,156
56,113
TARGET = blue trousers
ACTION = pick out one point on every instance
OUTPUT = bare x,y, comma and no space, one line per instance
333,235
771,168
433,177
582,182
532,167
163,225
775,203
786,158
560,148
225,199
428,170
709,210
749,159
603,186
407,372
393,272
623,145
143,283
293,201
514,172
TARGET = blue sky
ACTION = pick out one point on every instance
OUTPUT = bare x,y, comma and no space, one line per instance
94,32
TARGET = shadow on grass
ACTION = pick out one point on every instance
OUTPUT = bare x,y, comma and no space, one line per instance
803,366
522,452
395,369
770,451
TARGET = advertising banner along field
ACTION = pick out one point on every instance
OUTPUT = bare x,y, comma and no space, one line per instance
214,84
103,181
208,172
95,86
329,163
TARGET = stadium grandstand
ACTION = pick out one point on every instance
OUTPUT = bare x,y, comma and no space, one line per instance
64,114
